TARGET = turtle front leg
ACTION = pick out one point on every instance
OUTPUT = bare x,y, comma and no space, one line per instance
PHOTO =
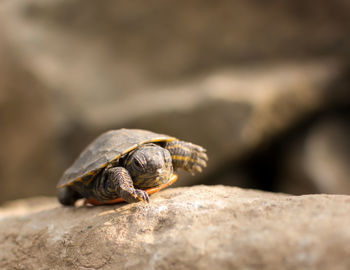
119,180
188,156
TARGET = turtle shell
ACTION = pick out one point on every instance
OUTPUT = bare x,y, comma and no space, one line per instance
106,149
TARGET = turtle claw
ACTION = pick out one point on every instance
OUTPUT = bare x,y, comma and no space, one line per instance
203,156
197,168
201,162
198,159
142,195
197,148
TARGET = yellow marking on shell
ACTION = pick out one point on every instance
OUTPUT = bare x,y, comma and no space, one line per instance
177,146
127,151
150,141
103,166
87,182
170,139
176,157
79,179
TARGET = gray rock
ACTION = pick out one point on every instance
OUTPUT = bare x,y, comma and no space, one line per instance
183,228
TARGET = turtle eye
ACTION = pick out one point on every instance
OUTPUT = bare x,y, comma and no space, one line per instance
137,163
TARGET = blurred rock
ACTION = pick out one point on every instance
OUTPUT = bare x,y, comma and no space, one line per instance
231,112
327,156
229,76
29,160
25,207
185,228
320,159
120,47
101,57
291,175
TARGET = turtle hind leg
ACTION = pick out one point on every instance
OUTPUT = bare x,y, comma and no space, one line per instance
187,156
68,196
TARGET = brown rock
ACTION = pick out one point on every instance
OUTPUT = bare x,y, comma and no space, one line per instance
318,161
29,160
327,155
229,112
87,46
115,64
200,227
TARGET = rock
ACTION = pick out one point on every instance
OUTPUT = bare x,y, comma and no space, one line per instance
229,112
233,112
22,207
29,156
200,227
318,161
327,155
133,46
104,48
210,75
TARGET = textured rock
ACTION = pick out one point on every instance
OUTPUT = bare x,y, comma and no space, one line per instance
183,228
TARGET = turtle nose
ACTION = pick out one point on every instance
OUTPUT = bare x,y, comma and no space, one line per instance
160,171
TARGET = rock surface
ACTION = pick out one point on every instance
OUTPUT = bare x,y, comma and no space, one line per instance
200,227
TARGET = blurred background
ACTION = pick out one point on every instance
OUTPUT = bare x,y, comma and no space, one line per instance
263,85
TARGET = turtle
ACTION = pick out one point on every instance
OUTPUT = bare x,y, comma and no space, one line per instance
128,165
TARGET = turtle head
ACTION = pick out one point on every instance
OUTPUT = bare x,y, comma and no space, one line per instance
150,165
